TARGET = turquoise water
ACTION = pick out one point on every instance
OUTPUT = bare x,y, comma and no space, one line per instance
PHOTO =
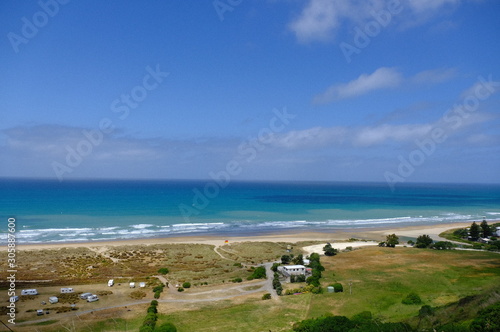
50,211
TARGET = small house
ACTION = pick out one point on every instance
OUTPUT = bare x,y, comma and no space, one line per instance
29,292
142,284
111,282
67,290
295,270
84,296
53,299
132,285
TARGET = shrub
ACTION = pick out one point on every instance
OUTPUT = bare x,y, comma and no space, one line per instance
259,273
412,298
186,284
337,287
266,296
163,270
154,302
157,295
274,268
180,289
137,295
237,280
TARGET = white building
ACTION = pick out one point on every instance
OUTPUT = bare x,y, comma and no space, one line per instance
66,290
294,270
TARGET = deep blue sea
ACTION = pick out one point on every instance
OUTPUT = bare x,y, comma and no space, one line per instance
75,211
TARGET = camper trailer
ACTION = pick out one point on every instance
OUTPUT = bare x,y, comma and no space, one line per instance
84,296
92,298
67,290
132,285
53,299
142,284
14,298
111,282
29,292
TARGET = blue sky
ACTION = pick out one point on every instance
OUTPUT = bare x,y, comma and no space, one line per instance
396,91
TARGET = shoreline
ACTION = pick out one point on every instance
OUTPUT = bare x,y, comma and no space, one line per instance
290,236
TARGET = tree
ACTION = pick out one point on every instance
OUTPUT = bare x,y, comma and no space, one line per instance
163,270
331,252
186,285
423,241
298,260
474,231
285,259
391,240
488,319
485,229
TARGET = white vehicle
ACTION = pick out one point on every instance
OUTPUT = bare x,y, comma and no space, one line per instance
39,312
14,298
84,296
142,284
53,299
132,285
111,282
92,298
29,292
67,290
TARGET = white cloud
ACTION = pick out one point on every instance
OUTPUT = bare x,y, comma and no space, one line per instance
434,75
382,78
319,20
316,21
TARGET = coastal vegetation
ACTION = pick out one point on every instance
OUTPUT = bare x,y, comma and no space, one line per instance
455,288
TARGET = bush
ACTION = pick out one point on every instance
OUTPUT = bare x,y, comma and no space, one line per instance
157,295
266,296
285,259
412,298
166,327
274,268
186,284
237,280
337,287
426,310
163,270
154,302
180,289
259,273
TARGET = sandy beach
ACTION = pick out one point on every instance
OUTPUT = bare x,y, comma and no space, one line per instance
374,234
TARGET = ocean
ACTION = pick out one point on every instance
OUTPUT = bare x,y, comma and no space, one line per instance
49,211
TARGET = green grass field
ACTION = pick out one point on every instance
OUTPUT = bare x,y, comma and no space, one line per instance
380,278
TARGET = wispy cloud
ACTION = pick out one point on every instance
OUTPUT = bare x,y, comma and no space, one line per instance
382,78
320,20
